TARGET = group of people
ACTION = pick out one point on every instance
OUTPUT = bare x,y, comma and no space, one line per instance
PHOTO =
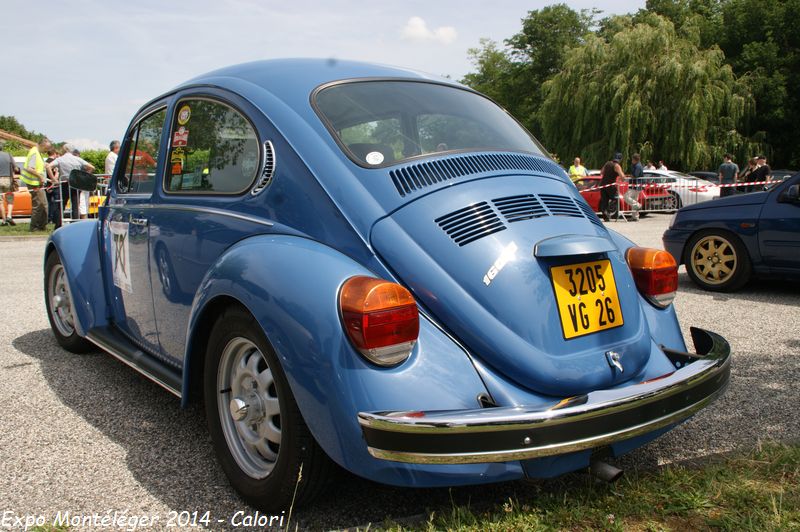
45,173
612,174
757,171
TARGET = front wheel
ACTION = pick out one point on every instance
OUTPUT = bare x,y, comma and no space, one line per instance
717,260
58,300
259,435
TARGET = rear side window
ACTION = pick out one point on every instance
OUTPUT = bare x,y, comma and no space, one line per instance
213,149
142,160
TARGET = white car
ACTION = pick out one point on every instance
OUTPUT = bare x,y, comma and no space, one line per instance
685,189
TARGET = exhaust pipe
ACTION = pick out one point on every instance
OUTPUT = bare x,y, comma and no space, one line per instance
605,471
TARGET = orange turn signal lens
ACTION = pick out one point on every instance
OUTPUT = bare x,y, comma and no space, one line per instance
381,319
655,272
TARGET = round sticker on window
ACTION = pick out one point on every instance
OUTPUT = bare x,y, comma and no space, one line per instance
374,157
184,114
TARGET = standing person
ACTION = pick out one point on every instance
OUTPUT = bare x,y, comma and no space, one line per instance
33,175
66,164
577,170
662,166
53,191
610,175
762,173
111,158
7,180
744,176
727,173
631,196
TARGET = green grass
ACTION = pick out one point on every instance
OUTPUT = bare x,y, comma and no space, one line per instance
755,491
23,229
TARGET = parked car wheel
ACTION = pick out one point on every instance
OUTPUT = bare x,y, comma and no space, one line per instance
58,300
260,438
166,273
717,260
673,202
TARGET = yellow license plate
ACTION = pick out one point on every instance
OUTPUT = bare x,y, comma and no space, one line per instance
587,298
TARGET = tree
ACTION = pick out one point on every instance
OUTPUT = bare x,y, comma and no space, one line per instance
645,87
761,41
513,76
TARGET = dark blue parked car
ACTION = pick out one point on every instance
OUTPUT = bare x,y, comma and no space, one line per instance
725,242
366,266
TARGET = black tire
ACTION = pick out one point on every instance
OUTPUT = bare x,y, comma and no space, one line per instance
166,273
267,483
717,260
58,302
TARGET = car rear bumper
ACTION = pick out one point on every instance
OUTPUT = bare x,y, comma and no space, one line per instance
598,418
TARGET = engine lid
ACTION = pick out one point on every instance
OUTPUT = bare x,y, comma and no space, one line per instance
482,256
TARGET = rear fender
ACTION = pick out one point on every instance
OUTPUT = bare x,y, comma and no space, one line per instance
291,286
78,246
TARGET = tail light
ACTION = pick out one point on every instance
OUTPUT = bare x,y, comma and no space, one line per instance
655,273
381,319
698,189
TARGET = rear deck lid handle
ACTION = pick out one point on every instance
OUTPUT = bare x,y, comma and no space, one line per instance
566,245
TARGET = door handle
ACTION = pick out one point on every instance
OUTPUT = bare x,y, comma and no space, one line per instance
137,221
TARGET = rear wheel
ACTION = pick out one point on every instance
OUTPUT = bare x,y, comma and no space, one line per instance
673,202
261,441
58,300
717,260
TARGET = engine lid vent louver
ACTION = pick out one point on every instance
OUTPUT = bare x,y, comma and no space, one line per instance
471,223
268,171
417,176
590,213
560,205
480,219
518,208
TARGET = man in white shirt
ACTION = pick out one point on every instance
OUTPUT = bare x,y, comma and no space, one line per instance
111,158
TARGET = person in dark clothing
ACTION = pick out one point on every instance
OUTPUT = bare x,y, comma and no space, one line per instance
610,174
727,173
761,173
636,166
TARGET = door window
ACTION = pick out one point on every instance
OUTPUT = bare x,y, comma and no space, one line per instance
142,159
213,149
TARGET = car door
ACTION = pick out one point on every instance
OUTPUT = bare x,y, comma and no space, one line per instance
779,229
126,232
202,205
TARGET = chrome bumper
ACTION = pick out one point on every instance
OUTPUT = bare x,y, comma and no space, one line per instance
518,433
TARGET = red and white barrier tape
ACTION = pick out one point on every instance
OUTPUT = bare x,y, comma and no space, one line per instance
664,186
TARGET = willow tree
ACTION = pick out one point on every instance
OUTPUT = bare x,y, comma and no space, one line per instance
646,89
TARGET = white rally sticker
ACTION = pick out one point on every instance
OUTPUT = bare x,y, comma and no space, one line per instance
374,157
120,256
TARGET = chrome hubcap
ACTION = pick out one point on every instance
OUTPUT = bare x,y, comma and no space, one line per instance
60,301
713,259
248,407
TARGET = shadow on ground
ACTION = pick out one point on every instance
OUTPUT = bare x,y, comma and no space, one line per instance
168,450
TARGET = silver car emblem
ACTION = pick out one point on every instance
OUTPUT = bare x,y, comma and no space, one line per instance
614,360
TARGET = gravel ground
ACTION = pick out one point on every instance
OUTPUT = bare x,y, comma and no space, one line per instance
86,434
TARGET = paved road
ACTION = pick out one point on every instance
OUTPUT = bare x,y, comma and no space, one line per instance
87,434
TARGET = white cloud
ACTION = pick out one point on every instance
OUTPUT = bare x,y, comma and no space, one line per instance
416,30
87,144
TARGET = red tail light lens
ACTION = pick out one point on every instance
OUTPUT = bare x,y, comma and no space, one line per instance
698,189
381,319
655,273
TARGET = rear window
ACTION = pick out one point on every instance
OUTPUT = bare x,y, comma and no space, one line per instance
379,123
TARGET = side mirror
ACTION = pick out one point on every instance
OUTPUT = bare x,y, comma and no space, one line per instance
791,195
83,180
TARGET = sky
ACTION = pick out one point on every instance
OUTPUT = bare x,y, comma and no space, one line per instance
81,69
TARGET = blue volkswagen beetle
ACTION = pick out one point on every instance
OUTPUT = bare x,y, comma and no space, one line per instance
725,242
366,266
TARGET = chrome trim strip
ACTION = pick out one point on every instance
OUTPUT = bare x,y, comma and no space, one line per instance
207,210
111,351
593,407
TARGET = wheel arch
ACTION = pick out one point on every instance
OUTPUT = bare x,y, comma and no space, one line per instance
290,286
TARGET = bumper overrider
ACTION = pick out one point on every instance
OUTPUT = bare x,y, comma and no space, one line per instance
599,418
